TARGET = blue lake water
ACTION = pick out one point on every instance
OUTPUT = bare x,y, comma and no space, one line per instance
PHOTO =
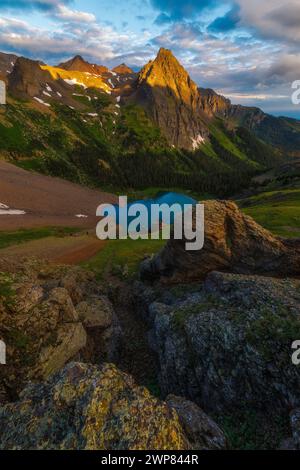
168,198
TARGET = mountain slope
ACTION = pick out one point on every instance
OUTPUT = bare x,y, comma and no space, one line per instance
172,101
155,128
7,62
122,69
78,64
184,112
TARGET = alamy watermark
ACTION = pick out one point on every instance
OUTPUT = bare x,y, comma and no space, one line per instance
142,221
296,94
296,354
2,353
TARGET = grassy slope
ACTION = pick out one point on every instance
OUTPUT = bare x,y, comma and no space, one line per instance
122,257
124,150
23,236
278,210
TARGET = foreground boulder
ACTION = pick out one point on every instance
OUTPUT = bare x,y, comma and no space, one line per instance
234,242
227,344
295,425
201,431
49,316
91,408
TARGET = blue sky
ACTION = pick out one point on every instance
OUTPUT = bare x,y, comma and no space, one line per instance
246,50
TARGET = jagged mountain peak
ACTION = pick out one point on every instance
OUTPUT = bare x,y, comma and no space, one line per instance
122,69
79,64
172,100
166,54
165,71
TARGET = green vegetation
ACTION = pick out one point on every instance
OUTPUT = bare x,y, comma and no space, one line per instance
122,257
137,131
23,343
127,151
183,313
251,430
277,211
279,325
7,293
25,235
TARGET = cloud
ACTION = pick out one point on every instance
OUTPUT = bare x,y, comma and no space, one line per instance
97,43
254,59
73,16
275,20
43,5
55,8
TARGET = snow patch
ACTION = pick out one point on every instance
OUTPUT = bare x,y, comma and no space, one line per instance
111,83
73,81
48,88
41,101
59,94
196,142
84,96
46,93
92,114
5,210
118,99
81,216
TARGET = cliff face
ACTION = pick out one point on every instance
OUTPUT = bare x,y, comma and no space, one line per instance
27,78
184,113
7,62
214,104
80,65
172,100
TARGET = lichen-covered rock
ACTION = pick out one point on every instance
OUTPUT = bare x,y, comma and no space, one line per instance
233,243
96,312
71,338
92,408
295,425
202,432
228,344
44,324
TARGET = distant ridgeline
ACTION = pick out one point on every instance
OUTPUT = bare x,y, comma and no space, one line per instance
122,129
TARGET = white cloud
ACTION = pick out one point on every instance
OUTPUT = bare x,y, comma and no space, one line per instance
66,14
273,19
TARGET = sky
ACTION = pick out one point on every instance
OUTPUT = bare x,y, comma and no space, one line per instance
245,50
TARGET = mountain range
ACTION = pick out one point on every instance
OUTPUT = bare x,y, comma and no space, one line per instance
91,124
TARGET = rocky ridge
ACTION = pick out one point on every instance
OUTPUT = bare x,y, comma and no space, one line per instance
49,316
86,407
185,113
233,242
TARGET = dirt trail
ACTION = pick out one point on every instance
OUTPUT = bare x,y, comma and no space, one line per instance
47,201
66,250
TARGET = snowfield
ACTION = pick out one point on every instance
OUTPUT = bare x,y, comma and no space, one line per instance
41,101
5,210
